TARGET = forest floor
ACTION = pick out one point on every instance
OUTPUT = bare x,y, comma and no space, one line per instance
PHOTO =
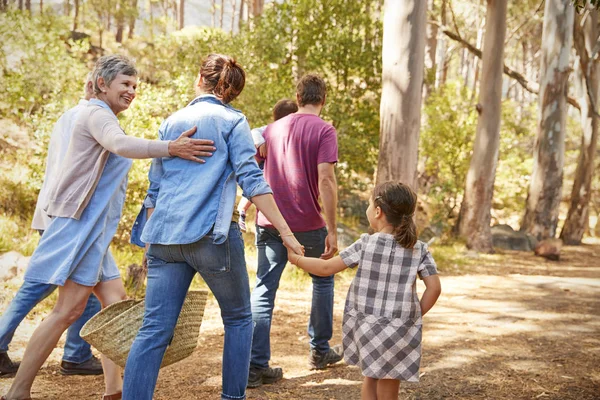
507,326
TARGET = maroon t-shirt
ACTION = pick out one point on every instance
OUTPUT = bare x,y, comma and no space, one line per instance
296,144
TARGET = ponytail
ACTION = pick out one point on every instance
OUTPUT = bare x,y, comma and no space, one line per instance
398,202
223,77
406,232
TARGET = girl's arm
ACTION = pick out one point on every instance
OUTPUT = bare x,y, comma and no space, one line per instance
318,266
433,288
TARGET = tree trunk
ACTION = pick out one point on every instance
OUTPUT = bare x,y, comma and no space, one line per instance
233,12
181,14
430,55
440,71
241,17
587,77
41,7
403,57
28,5
257,7
545,190
76,17
132,19
120,29
222,11
21,5
475,211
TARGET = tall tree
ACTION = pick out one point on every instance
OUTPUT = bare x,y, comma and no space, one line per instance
181,14
76,16
545,189
403,56
221,13
475,211
587,80
430,51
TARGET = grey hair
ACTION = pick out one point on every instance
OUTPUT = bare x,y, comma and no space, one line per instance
108,67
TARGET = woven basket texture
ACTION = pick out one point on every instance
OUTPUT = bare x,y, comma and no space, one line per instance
113,329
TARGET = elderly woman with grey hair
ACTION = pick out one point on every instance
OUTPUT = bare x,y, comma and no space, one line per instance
85,203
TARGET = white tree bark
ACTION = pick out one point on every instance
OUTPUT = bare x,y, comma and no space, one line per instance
475,212
587,82
404,26
545,190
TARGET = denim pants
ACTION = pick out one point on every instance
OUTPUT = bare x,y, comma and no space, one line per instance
171,269
28,296
272,259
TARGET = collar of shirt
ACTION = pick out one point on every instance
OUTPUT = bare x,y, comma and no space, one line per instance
100,103
211,98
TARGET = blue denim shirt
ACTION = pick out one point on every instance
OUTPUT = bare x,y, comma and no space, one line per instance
190,199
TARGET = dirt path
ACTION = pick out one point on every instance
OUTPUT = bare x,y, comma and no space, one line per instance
507,327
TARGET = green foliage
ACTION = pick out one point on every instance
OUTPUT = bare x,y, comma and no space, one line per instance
445,147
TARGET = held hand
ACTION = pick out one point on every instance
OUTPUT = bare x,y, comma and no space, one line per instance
262,150
331,246
293,257
191,149
292,244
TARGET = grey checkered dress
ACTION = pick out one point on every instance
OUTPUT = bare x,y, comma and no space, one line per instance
382,316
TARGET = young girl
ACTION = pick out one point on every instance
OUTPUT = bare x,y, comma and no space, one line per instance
382,316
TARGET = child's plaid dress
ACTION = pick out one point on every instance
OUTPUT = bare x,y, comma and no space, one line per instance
382,316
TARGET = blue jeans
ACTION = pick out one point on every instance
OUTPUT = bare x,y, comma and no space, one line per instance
272,259
171,269
28,296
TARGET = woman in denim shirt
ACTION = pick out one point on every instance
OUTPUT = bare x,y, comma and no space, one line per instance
192,230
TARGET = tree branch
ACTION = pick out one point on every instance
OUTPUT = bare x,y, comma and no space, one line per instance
507,70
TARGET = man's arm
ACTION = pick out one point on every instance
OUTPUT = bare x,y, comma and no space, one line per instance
328,193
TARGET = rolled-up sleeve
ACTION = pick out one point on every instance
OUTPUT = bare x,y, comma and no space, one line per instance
241,155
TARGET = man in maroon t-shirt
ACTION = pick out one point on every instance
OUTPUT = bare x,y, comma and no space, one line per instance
299,166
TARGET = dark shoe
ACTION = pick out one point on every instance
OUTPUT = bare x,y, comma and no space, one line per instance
319,360
6,365
93,366
115,396
259,376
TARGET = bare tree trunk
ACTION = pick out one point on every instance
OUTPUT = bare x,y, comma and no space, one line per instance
545,190
257,7
430,55
132,19
475,211
181,14
76,17
233,12
222,11
241,17
403,57
440,77
67,7
587,79
28,5
21,5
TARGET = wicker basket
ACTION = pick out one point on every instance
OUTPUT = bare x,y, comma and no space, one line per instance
113,329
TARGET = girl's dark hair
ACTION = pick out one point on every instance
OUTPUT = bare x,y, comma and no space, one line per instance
223,77
283,108
398,202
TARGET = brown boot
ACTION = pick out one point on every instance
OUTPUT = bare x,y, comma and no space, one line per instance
114,396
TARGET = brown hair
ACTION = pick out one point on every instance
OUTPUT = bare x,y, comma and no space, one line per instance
283,108
311,89
223,77
398,202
